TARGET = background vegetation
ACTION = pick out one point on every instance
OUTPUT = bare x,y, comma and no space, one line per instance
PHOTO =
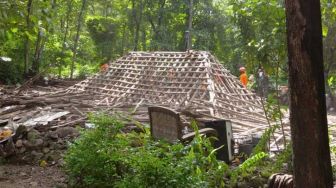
71,38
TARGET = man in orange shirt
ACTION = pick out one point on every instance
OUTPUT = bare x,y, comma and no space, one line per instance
243,76
103,67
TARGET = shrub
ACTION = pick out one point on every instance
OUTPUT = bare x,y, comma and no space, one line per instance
92,160
105,157
9,73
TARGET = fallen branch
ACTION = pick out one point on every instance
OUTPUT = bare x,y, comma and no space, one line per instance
74,122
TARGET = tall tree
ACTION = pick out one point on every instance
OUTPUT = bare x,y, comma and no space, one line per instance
189,32
311,153
26,45
137,15
65,36
38,51
79,26
157,28
44,30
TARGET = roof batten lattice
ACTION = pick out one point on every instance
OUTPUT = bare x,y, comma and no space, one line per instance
181,80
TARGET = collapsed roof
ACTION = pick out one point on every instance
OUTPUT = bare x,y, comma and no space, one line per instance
193,81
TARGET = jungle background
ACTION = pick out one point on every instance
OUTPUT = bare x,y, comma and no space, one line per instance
70,39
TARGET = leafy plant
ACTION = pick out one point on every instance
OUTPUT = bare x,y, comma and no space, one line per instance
105,157
262,145
285,157
247,167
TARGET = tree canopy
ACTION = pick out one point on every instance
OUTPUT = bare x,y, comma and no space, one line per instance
56,35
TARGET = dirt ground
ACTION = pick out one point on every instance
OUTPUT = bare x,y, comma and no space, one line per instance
23,176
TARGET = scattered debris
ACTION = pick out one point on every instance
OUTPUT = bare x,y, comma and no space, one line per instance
193,83
36,127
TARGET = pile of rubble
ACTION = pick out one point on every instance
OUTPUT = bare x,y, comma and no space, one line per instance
34,146
33,129
193,83
38,124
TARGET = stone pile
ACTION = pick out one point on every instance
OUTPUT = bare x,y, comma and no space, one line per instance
35,146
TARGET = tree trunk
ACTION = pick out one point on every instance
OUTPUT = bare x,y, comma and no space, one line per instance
138,19
66,25
26,45
311,153
144,40
37,54
157,28
123,40
188,39
40,42
79,25
106,9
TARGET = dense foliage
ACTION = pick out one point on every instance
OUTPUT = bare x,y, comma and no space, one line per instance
60,35
106,157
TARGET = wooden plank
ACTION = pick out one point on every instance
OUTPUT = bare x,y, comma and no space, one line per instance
71,123
9,109
44,119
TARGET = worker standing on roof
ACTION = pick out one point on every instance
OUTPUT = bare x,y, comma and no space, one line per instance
103,67
243,76
262,82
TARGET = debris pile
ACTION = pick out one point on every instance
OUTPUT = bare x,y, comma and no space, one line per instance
192,81
36,128
34,146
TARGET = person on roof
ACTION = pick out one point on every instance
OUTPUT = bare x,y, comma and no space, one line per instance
243,76
103,67
262,82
